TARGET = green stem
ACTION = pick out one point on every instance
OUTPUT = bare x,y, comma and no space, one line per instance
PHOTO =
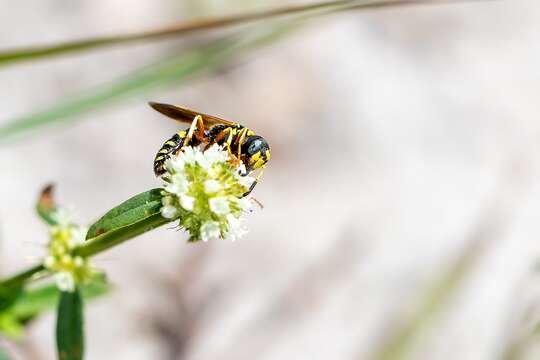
113,238
96,245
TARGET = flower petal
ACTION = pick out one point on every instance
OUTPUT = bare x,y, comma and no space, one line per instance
187,202
210,230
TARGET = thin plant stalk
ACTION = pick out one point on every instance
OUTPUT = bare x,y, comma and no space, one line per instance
188,27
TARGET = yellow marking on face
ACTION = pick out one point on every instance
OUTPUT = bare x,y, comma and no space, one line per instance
250,133
267,155
256,156
257,160
258,164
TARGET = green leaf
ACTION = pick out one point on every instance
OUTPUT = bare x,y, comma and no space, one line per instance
131,211
10,326
8,295
46,206
33,302
119,235
32,53
69,326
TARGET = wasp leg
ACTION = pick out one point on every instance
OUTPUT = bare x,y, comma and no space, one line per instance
220,136
254,184
230,139
200,129
198,124
241,138
230,135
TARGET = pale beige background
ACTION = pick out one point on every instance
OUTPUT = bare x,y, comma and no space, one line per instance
401,139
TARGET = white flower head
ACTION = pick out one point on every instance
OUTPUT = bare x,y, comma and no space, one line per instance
205,191
68,268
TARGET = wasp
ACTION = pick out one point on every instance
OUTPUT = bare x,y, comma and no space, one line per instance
242,143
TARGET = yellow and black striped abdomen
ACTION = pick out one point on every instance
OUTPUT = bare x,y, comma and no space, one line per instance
170,147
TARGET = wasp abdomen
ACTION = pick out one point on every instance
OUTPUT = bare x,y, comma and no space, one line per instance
170,147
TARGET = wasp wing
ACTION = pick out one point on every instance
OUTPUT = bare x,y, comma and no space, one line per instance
186,115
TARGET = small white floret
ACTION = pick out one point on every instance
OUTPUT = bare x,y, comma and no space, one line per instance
236,228
49,262
64,281
78,236
215,154
78,261
62,217
175,163
167,200
246,181
187,202
66,259
189,155
211,186
210,230
178,184
219,205
245,204
168,211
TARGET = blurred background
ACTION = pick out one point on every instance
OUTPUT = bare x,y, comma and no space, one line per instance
401,204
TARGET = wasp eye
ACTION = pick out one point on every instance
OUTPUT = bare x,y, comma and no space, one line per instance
255,144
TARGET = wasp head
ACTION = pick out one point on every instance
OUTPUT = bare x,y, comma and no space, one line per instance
255,153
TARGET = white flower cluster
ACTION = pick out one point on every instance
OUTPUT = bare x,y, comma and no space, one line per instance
206,192
68,269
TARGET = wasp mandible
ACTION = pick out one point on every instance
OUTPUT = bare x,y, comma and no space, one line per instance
243,145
